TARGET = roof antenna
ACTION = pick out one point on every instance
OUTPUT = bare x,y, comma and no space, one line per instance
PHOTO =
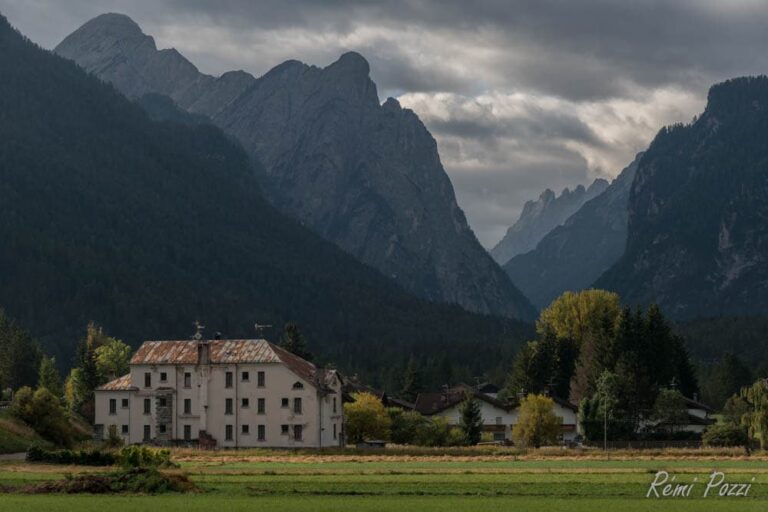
259,328
198,331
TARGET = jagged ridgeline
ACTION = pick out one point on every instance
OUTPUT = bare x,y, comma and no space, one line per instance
698,212
365,175
144,226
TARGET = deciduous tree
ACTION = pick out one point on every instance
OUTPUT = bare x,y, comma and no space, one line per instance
537,424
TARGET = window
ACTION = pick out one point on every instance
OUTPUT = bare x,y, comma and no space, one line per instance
284,402
262,433
298,385
260,379
297,405
112,406
334,431
147,435
147,380
261,406
187,432
284,429
228,380
334,406
147,406
228,406
161,428
187,380
297,432
245,429
244,403
163,377
124,430
187,406
124,403
228,433
246,376
162,402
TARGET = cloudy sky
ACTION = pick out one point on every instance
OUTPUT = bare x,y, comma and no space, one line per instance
521,95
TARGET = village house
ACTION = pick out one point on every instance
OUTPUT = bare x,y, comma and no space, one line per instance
222,393
499,417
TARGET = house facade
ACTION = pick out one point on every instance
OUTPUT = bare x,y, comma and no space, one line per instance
222,393
499,417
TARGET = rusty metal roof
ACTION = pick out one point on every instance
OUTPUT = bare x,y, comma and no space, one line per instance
222,352
120,384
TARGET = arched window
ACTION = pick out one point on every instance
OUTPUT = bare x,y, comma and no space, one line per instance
298,385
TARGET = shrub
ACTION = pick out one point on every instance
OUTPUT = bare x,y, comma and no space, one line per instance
144,457
113,440
70,457
42,411
725,435
405,425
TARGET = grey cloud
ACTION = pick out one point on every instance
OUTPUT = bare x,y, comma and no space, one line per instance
592,67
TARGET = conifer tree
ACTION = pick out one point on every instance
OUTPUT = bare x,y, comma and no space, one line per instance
471,420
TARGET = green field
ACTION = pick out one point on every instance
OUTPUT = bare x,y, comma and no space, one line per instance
456,484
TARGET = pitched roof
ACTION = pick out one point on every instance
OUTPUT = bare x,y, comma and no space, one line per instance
223,352
119,384
433,403
693,404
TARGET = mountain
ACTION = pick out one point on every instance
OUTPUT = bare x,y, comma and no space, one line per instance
572,256
364,175
540,217
698,211
144,226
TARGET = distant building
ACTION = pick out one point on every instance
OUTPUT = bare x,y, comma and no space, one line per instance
222,393
499,417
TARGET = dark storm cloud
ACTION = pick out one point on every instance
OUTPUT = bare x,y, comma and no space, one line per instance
520,95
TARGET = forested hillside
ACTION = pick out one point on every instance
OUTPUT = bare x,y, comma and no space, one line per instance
145,226
698,212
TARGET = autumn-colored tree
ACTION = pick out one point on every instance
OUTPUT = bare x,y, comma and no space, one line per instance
366,419
756,418
574,316
537,424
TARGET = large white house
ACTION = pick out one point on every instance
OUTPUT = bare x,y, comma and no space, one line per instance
499,417
222,393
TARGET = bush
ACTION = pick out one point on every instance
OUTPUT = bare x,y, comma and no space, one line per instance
71,457
42,411
405,425
144,457
366,419
725,435
113,440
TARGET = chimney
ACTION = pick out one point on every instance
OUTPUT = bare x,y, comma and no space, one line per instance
203,352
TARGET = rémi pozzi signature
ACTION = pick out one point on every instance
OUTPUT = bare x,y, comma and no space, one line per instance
666,486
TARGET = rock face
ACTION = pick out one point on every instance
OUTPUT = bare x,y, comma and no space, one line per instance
364,175
142,225
573,255
540,217
698,213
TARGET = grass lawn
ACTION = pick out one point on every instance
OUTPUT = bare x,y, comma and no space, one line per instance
316,483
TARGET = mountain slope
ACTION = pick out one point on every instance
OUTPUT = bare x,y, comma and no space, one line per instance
698,212
363,175
145,226
573,255
540,217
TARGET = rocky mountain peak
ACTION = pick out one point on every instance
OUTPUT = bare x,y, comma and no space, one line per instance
363,175
352,63
540,217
